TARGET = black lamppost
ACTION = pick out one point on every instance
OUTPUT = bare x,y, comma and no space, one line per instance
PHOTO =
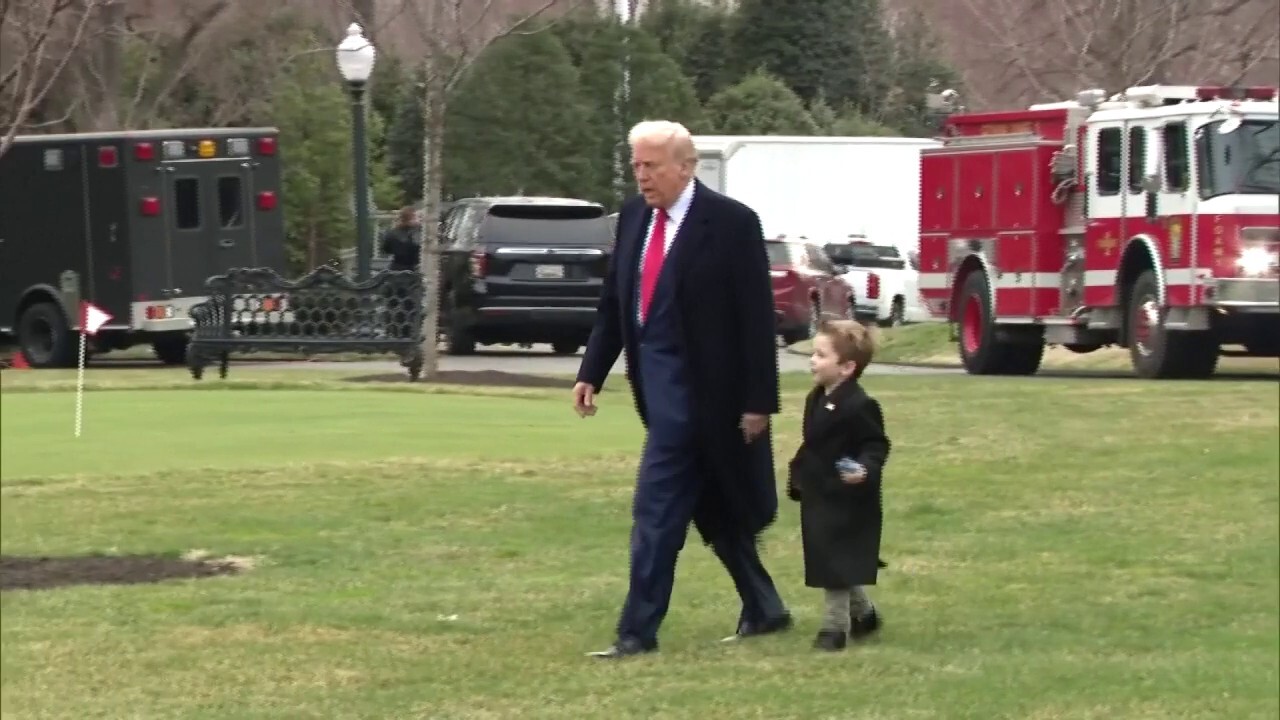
355,61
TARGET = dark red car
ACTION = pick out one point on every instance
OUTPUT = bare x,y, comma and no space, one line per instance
806,288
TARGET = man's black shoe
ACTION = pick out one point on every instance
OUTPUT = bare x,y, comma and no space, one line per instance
830,640
624,647
865,626
753,629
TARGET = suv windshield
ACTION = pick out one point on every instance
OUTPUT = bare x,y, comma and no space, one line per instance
865,255
1245,160
547,225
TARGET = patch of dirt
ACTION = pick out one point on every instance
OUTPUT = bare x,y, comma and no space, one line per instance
43,573
486,378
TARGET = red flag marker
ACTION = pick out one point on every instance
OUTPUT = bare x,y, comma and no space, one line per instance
92,318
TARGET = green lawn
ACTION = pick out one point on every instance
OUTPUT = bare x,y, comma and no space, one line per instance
1074,548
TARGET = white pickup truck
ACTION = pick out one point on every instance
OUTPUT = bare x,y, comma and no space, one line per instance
885,284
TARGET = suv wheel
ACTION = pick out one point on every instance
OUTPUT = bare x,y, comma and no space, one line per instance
896,315
460,342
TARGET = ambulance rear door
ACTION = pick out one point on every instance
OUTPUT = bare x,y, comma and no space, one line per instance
213,200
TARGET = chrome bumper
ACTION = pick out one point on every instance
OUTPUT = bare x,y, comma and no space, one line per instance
1255,295
169,315
866,310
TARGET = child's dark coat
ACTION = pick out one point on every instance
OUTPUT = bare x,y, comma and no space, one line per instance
840,523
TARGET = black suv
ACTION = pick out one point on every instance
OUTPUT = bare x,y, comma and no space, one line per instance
522,270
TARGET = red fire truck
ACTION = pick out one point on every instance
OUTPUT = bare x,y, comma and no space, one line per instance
1149,219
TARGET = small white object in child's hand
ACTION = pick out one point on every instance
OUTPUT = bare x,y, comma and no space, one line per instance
851,471
849,465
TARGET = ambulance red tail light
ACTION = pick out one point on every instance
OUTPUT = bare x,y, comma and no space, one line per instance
267,200
144,152
160,312
873,286
108,157
149,206
266,146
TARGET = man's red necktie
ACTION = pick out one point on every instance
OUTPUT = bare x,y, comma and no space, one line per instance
653,257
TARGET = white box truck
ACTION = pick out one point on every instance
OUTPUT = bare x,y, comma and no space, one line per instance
823,188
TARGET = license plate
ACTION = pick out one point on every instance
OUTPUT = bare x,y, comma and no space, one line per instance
548,272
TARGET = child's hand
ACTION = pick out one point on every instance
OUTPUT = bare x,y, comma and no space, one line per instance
853,478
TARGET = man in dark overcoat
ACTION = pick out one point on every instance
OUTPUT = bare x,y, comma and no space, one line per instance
688,301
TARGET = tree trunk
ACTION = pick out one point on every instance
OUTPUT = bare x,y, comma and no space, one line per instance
365,10
313,246
107,83
433,118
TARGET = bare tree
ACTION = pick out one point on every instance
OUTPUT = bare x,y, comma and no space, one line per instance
38,39
454,33
364,12
1036,50
167,49
132,60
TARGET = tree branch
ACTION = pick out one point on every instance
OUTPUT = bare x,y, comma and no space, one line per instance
28,84
1047,45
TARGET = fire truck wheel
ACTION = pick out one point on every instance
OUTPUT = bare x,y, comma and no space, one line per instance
981,351
44,338
1158,353
977,352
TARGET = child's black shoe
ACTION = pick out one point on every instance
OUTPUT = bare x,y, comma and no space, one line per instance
865,626
830,640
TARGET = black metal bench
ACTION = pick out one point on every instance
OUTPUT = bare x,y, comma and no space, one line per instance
324,312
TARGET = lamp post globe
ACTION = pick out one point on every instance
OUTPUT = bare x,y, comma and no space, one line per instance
356,55
355,61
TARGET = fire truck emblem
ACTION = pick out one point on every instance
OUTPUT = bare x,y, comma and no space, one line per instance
1108,243
1175,240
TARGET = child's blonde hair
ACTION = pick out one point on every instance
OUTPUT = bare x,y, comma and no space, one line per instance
852,341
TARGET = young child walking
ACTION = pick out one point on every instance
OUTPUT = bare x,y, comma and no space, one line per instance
836,477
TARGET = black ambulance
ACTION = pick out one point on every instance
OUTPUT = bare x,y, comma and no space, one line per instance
133,222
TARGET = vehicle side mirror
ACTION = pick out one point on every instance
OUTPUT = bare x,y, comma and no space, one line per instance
1152,183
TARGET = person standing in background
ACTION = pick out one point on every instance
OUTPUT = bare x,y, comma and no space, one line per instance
404,244
404,241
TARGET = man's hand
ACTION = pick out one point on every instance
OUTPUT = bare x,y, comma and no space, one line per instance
752,425
584,399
